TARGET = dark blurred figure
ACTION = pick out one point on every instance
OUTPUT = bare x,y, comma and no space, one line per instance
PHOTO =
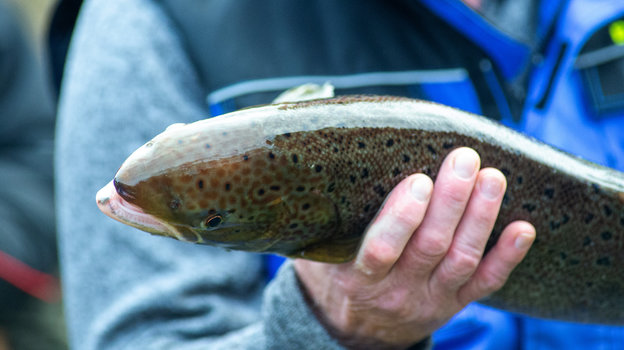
30,310
59,36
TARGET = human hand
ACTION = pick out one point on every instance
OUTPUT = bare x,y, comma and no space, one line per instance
421,260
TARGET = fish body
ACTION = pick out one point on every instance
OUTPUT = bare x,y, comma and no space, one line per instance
304,180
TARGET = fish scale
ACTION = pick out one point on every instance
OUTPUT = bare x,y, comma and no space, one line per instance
304,180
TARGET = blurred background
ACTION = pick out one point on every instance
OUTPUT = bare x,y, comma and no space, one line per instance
31,314
36,17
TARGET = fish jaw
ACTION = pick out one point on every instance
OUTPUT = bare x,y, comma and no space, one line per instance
116,207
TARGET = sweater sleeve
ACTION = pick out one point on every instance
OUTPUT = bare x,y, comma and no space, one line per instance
126,79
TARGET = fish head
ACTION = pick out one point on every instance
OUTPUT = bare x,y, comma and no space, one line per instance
234,189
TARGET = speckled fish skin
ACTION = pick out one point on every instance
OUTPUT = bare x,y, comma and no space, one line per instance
304,180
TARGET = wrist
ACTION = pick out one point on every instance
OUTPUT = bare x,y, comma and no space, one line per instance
346,331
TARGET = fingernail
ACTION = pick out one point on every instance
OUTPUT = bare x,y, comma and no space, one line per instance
465,163
421,187
524,240
491,186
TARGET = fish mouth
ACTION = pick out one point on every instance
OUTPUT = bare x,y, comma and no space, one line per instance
116,207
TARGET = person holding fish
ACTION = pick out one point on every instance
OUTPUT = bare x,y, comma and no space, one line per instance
136,67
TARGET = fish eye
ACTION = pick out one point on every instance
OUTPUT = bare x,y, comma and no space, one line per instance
213,221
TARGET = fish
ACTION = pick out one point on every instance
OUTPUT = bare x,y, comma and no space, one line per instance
304,179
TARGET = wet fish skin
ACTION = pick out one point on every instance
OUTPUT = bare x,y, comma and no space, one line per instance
304,179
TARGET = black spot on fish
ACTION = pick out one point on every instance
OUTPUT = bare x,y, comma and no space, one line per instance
295,158
300,189
261,192
380,190
305,206
335,149
343,199
519,180
174,204
406,158
396,172
622,221
588,218
287,135
556,224
293,225
431,149
505,172
587,241
364,173
361,145
447,145
589,284
563,255
245,157
207,145
606,235
228,186
200,184
331,187
389,143
604,261
596,188
274,188
318,168
607,210
271,155
549,192
367,207
565,219
352,179
529,207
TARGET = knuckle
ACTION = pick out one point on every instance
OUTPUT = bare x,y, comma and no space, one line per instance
457,268
465,262
484,218
407,218
395,302
433,248
377,255
455,195
492,282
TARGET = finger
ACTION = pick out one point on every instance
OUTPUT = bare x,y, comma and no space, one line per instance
495,268
450,194
472,233
395,223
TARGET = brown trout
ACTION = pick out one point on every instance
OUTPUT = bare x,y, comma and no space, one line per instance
304,179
